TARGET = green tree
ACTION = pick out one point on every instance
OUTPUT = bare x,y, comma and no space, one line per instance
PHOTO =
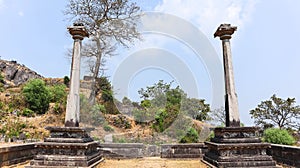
278,136
109,23
196,108
277,112
37,96
169,102
156,93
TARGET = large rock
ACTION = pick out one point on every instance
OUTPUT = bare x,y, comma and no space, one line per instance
15,74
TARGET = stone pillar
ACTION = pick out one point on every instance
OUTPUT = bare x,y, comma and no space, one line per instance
225,31
234,146
78,32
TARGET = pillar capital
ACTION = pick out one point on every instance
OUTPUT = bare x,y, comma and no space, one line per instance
78,31
225,31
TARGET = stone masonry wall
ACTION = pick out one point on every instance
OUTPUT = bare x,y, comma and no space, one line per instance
288,155
191,150
14,154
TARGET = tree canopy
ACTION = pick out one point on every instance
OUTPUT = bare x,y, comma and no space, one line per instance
277,112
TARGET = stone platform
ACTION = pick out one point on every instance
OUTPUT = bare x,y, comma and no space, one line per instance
66,147
238,147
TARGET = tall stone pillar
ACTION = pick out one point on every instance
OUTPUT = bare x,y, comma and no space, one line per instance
71,145
225,31
234,146
78,33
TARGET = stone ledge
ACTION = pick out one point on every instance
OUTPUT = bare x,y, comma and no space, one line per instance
16,153
223,146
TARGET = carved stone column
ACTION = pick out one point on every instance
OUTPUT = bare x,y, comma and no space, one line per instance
78,33
234,146
69,146
225,31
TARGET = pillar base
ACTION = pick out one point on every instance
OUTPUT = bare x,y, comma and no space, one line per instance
67,147
238,147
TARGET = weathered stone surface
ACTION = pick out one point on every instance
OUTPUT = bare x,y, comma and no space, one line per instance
191,150
14,154
15,74
78,33
238,147
67,146
288,155
225,31
122,150
234,146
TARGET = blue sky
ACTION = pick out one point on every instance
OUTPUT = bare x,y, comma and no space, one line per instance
265,52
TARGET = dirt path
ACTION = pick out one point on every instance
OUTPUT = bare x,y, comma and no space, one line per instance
152,162
148,162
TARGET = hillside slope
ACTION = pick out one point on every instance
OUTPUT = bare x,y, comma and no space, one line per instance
15,74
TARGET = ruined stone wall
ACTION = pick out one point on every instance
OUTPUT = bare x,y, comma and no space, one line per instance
288,155
139,150
14,154
191,150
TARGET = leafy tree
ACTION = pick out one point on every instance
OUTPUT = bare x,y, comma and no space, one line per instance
278,136
156,93
277,112
169,103
109,23
37,96
196,108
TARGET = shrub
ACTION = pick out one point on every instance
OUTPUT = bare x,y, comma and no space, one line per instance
66,81
13,127
37,96
278,136
108,128
58,93
27,112
190,137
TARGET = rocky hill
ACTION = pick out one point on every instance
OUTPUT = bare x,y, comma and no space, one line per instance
15,74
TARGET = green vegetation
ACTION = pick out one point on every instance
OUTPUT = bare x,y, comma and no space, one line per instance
278,136
108,128
37,96
104,86
66,81
27,112
191,136
1,82
58,93
13,127
277,112
165,104
91,114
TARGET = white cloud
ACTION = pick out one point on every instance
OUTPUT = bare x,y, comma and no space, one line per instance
2,4
20,13
208,15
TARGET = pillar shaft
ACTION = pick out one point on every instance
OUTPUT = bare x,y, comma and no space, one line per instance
73,103
231,103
